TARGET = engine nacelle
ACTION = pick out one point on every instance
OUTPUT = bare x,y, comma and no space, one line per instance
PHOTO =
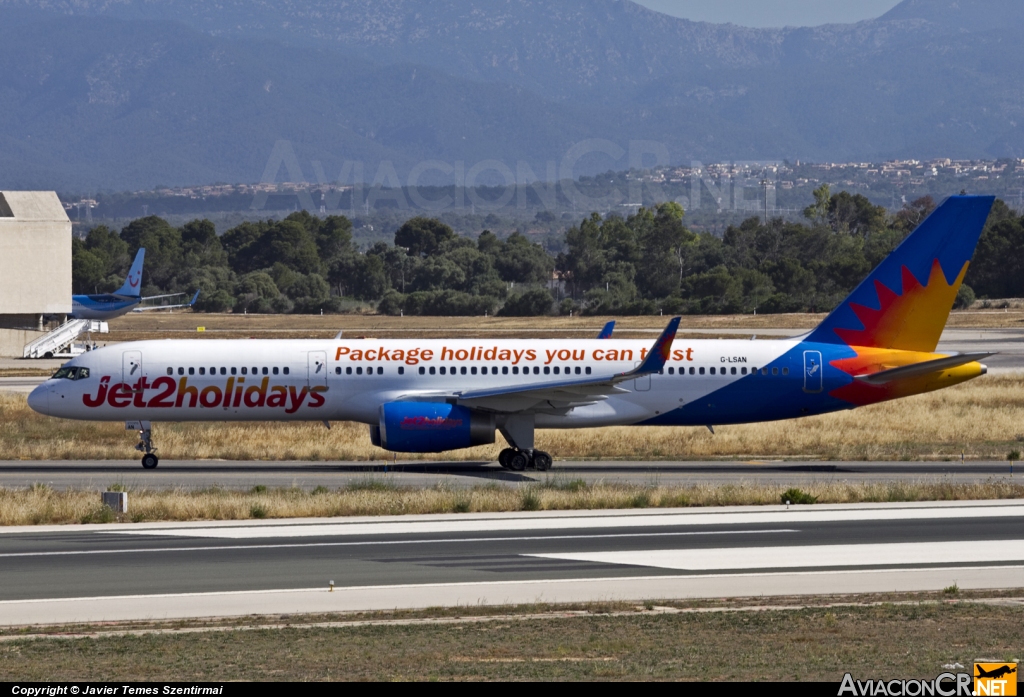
430,427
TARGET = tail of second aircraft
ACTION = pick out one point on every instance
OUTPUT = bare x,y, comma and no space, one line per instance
905,302
132,287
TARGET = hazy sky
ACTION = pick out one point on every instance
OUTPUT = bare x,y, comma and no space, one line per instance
776,13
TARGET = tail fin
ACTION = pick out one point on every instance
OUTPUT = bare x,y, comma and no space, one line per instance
905,302
133,284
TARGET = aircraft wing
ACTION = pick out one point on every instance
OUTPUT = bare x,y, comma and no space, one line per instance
559,396
190,303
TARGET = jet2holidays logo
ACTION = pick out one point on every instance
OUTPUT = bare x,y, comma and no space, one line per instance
989,679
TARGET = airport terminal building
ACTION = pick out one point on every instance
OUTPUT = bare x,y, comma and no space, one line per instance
35,265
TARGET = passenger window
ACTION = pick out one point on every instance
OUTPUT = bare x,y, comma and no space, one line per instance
191,371
764,371
223,371
380,370
588,370
536,370
349,371
170,371
359,370
671,371
245,371
578,371
401,370
181,371
515,370
443,370
265,371
337,371
423,371
473,370
785,371
504,370
234,371
463,370
701,371
255,371
556,370
692,371
202,371
743,371
494,370
712,371
432,370
733,371
286,370
775,371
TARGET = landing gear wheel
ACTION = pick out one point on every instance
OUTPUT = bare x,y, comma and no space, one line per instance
150,461
505,456
518,461
541,460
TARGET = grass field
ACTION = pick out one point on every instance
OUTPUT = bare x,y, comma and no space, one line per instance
41,505
813,639
138,326
984,419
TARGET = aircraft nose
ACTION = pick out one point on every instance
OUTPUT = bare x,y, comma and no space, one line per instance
39,399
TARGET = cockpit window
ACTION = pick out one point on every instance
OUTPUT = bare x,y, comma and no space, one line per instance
71,373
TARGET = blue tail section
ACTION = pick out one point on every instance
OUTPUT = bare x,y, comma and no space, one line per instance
606,331
132,287
905,302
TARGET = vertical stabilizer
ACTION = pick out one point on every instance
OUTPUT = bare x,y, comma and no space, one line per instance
905,302
132,287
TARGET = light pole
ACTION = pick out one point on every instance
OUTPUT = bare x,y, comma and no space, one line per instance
764,183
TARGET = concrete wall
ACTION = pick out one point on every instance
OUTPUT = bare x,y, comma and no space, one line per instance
35,254
12,342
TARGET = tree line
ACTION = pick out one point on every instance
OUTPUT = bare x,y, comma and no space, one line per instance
645,263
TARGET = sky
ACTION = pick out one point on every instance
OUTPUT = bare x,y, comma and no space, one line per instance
775,13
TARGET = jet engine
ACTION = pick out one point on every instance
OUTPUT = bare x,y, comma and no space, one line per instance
430,427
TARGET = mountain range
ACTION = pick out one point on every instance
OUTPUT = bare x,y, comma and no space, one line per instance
125,94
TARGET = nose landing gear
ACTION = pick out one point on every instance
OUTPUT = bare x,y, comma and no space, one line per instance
145,444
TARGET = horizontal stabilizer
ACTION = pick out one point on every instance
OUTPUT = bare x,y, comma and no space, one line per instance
924,368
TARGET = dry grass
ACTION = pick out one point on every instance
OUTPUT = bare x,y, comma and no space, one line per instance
983,418
41,505
886,641
138,327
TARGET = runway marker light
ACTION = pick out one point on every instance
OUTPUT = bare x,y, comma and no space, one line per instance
331,589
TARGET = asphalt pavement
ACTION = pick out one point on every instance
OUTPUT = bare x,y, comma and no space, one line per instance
140,571
198,474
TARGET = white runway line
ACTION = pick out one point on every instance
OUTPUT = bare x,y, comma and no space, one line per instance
791,517
579,590
821,556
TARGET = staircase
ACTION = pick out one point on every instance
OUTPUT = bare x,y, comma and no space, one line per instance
59,343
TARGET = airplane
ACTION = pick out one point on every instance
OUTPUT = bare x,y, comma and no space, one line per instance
436,395
126,299
995,672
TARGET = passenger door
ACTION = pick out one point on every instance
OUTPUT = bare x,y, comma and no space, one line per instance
316,369
642,384
813,372
131,367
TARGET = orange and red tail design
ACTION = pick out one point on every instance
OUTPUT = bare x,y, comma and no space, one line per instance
905,302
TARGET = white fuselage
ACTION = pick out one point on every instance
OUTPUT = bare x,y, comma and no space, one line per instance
345,380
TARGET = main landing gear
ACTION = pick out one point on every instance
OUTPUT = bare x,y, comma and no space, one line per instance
519,460
145,444
518,430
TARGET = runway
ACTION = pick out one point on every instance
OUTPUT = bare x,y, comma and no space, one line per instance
198,474
55,574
